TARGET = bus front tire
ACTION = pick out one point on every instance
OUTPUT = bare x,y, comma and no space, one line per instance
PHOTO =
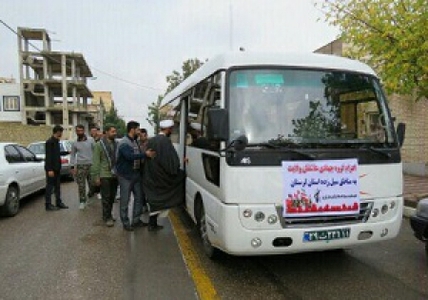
209,250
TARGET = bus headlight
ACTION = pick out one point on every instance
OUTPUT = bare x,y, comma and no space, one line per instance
259,216
247,213
375,213
384,209
272,219
392,205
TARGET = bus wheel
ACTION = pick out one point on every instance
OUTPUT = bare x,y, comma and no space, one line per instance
209,250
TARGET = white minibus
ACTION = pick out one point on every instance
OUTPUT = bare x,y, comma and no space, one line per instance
287,153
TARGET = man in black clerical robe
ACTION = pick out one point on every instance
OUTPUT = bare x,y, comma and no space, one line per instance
163,180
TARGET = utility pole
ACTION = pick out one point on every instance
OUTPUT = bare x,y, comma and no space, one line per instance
65,120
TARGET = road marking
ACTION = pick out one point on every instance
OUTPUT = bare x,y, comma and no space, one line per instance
203,284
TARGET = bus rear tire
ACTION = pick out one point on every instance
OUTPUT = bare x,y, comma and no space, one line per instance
209,250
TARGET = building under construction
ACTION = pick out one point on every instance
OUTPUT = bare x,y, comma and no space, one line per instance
53,83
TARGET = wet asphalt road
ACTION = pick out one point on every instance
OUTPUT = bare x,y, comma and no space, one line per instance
395,269
69,254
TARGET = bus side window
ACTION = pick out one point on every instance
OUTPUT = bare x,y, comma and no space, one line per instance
216,98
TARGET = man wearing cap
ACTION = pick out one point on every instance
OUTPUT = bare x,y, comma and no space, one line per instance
163,179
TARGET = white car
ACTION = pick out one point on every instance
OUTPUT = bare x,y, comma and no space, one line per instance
21,174
38,148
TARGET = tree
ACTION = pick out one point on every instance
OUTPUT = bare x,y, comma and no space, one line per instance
389,35
320,123
155,113
189,66
112,118
154,116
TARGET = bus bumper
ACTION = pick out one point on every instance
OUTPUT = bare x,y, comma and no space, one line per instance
237,239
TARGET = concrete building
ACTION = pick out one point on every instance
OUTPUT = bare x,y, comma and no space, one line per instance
53,84
104,97
406,110
10,101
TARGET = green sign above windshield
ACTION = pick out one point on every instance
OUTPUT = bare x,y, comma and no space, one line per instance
269,79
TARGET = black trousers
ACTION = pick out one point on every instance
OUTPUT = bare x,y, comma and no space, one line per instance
153,220
53,184
108,191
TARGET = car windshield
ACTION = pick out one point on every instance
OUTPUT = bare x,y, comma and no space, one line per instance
295,106
37,148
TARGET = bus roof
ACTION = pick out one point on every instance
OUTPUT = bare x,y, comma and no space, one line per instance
245,59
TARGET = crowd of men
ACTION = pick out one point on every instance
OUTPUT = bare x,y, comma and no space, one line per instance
146,171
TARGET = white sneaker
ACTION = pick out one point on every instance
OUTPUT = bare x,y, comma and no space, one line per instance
99,196
82,205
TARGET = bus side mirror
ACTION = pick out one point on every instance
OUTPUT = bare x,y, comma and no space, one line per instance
217,126
401,132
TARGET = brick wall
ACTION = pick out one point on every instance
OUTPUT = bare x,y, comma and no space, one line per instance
23,134
415,115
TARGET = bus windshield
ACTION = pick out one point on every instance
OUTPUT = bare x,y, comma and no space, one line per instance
296,106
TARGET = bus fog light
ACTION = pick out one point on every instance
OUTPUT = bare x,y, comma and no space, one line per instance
259,216
384,232
392,205
375,213
384,209
272,219
256,242
247,213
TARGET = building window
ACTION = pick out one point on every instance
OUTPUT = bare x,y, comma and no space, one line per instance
11,103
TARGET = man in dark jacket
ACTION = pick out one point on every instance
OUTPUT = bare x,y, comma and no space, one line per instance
128,171
53,169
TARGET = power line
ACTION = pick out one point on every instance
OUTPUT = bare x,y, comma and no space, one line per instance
8,27
125,80
92,67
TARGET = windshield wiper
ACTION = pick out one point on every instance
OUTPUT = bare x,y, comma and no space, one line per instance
272,145
307,155
265,144
378,151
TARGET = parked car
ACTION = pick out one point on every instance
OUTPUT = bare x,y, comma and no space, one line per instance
419,222
21,174
65,147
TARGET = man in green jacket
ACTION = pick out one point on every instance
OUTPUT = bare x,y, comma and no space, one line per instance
102,172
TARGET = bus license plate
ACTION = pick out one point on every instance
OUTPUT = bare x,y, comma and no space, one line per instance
326,235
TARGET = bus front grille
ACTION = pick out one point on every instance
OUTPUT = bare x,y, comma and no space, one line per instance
361,217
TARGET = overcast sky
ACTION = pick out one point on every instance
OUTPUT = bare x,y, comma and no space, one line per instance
143,41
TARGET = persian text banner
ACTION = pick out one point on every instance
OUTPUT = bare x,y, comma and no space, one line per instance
326,187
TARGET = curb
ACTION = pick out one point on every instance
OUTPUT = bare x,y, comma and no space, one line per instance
410,203
408,211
